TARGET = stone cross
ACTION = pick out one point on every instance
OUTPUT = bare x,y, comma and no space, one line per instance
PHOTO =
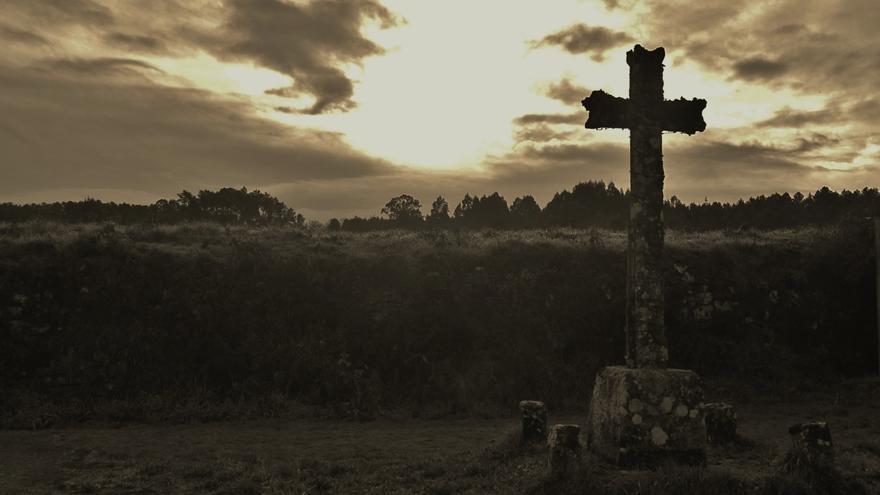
646,114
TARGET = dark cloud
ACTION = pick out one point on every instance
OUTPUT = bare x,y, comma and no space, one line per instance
789,117
823,47
85,12
726,171
580,38
16,35
788,29
312,42
604,152
758,68
307,42
99,66
137,43
106,131
551,118
540,133
815,142
611,4
567,92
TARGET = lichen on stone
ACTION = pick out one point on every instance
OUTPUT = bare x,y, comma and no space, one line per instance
658,436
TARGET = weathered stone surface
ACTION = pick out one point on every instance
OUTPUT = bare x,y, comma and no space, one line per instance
811,443
564,449
534,421
645,416
646,114
720,422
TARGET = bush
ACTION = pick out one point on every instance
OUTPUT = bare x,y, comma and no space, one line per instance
365,323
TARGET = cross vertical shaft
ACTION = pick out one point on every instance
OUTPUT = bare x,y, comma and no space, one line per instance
645,327
646,114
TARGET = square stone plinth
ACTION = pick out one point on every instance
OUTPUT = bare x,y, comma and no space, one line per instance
644,417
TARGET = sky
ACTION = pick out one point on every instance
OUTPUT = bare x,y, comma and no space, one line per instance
335,106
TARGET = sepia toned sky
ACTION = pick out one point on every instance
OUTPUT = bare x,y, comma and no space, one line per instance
337,105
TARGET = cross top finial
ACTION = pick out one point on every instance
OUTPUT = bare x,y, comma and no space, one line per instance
656,55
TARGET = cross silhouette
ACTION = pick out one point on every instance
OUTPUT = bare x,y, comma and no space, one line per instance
646,114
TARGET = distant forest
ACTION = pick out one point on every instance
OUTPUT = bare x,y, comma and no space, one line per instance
591,204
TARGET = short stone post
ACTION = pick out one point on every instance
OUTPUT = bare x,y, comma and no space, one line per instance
534,421
720,423
565,449
811,444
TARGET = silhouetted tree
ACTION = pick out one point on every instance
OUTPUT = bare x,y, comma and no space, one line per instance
525,212
589,204
334,225
485,211
404,210
439,215
463,207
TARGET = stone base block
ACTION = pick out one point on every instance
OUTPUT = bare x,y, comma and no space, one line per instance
811,443
564,448
720,423
644,417
534,421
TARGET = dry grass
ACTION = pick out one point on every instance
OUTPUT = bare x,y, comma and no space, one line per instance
430,457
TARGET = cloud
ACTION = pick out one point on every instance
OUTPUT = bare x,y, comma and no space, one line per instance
313,42
550,118
308,42
540,133
759,68
823,47
84,12
84,129
726,171
137,43
580,38
99,66
16,35
611,4
789,117
567,92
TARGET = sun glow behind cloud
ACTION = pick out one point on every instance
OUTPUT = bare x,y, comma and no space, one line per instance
206,72
446,91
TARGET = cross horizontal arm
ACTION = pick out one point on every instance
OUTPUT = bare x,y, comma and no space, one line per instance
607,112
611,112
682,116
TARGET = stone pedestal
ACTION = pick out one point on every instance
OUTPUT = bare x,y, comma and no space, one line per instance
643,417
564,449
720,423
811,443
534,421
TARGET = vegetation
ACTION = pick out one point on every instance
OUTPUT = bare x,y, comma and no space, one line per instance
428,457
163,319
588,205
225,206
597,205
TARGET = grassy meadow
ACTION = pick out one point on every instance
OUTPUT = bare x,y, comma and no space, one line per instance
203,359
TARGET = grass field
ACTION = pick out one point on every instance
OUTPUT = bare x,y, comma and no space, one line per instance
419,456
200,359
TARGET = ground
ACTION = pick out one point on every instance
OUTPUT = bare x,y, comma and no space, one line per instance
404,456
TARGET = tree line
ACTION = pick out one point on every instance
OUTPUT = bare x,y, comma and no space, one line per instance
591,204
594,204
227,206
